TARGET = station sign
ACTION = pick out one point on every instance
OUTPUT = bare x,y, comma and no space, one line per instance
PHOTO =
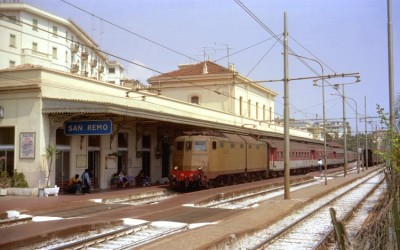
102,127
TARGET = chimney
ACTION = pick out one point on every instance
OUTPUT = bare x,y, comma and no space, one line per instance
205,70
232,67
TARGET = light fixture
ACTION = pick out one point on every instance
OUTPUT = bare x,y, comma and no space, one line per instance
1,112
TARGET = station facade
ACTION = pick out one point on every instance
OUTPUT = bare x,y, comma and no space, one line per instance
59,91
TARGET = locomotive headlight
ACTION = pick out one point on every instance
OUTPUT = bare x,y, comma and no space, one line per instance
176,168
200,169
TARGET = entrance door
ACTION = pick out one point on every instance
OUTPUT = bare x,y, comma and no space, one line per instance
94,160
62,168
165,159
7,144
146,162
94,166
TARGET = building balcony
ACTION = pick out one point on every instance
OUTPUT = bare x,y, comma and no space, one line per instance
84,56
74,68
101,69
93,63
29,56
74,47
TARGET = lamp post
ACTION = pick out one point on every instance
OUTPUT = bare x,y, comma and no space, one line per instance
357,140
323,111
345,160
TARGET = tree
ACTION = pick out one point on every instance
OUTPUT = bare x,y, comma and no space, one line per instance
51,154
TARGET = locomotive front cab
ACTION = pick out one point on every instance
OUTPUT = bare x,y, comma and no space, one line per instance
189,160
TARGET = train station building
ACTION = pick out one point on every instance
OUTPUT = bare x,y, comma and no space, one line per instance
58,90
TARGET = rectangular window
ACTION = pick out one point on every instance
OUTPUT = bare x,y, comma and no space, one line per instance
200,146
214,145
188,145
13,41
179,145
195,99
55,31
34,47
122,140
66,56
54,53
12,19
257,110
34,24
111,70
12,64
249,108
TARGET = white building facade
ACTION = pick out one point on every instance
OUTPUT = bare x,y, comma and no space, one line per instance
33,36
213,86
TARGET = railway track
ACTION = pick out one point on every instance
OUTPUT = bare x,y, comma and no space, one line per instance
252,199
15,221
132,234
309,227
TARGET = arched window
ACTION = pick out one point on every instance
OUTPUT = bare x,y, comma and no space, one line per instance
194,99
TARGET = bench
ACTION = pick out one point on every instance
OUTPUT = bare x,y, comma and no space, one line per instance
63,184
116,183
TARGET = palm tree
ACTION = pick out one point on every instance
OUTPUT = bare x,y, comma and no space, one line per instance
51,153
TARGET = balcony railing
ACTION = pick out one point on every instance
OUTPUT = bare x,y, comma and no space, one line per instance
93,63
84,56
74,68
74,47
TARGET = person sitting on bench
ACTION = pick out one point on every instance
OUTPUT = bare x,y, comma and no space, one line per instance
74,185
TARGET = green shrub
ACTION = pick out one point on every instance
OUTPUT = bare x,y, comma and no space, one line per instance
5,180
18,180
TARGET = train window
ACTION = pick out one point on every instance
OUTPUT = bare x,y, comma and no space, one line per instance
188,145
221,144
179,145
214,145
257,147
241,145
249,146
200,146
232,145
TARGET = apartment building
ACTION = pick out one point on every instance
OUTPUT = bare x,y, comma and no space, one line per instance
31,36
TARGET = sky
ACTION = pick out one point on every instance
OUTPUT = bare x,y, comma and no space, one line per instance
344,36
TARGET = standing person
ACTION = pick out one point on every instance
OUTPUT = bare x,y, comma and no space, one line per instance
319,165
86,181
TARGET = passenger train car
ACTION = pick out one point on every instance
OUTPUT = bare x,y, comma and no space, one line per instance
211,158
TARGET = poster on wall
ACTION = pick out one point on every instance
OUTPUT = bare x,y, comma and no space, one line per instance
27,146
81,161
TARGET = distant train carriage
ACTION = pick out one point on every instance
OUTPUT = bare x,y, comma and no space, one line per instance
371,158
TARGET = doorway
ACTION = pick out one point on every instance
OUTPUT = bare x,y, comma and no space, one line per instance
94,160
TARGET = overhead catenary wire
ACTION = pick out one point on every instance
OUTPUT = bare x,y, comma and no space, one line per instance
273,35
131,32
